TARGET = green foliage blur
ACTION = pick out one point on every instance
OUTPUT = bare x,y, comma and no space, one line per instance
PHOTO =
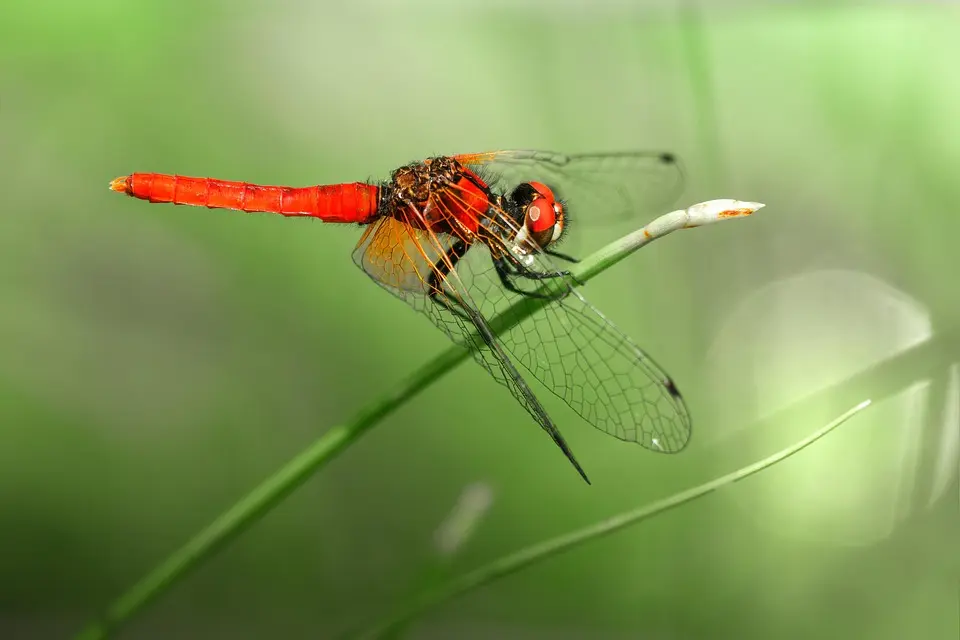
159,362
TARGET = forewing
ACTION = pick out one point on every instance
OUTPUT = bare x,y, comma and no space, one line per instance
599,188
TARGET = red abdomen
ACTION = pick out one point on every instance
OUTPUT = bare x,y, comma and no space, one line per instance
351,202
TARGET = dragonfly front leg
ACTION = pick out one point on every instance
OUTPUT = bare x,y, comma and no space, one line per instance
562,256
506,269
515,268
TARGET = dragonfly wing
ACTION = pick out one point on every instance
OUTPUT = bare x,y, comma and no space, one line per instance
607,187
400,258
580,355
601,374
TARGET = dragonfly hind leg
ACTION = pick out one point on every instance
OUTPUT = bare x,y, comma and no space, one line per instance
439,274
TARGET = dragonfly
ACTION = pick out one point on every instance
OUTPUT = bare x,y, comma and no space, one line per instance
461,238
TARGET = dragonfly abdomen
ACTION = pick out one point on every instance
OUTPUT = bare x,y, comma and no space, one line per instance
349,202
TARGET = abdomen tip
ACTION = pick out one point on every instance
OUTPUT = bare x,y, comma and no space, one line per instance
121,185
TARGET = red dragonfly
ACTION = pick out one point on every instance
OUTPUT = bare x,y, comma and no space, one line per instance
461,237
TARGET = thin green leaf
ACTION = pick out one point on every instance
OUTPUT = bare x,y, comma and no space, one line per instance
549,548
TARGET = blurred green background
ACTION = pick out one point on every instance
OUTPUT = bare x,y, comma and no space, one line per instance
159,362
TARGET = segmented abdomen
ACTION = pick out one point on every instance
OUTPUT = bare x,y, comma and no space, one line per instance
350,202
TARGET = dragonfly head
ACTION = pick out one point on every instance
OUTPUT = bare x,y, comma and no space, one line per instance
543,216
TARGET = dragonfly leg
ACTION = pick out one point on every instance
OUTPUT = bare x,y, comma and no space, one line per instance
441,270
516,269
562,256
505,272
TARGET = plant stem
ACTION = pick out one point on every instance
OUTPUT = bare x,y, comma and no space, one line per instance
293,474
267,495
514,562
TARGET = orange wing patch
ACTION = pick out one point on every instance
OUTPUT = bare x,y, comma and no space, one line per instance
400,256
478,158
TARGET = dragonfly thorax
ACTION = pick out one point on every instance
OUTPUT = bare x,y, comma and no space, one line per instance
438,195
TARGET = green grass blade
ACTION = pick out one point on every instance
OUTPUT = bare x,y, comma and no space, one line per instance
547,549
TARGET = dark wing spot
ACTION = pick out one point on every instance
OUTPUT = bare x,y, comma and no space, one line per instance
668,158
671,388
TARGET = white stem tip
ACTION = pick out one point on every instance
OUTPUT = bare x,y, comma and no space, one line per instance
716,210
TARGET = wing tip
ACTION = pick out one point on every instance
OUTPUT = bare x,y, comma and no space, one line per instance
584,476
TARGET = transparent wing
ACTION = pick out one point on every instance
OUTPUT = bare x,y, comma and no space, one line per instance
401,258
581,356
599,188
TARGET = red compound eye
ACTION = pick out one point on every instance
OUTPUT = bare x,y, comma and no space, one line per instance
544,215
541,216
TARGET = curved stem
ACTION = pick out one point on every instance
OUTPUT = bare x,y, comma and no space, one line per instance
544,550
271,492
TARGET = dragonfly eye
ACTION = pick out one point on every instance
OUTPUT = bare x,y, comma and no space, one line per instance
543,216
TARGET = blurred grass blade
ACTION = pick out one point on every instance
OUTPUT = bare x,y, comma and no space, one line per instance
258,502
449,539
462,522
549,548
699,64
